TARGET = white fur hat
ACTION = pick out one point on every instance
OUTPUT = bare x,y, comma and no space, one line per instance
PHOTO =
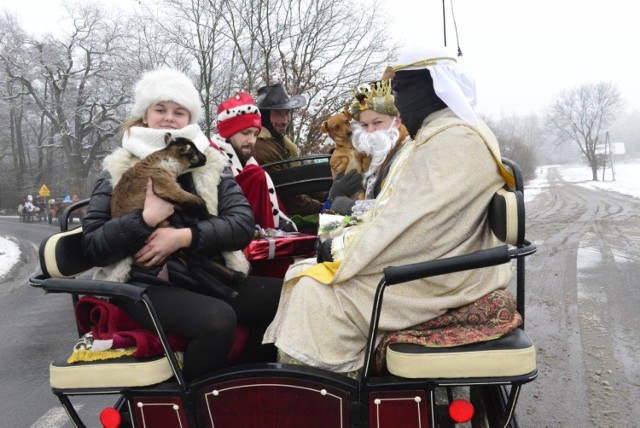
165,84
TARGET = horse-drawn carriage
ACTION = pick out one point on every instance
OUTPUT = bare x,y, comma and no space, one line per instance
33,210
57,207
469,385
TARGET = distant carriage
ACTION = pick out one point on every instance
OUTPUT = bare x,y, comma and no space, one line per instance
37,213
57,207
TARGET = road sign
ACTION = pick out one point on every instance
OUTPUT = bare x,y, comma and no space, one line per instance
44,191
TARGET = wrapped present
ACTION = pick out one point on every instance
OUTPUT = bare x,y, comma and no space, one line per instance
274,245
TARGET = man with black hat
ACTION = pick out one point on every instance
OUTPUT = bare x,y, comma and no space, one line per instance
273,144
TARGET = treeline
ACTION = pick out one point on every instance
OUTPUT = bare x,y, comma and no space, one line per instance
64,96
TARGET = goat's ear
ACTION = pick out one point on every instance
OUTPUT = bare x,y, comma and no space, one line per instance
347,113
185,149
323,128
167,138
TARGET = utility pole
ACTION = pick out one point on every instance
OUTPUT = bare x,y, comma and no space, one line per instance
607,157
611,150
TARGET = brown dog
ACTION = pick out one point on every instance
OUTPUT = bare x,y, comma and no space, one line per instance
344,157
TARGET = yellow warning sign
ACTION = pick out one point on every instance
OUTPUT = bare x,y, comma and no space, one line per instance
44,191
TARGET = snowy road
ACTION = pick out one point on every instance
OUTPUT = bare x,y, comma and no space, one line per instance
582,307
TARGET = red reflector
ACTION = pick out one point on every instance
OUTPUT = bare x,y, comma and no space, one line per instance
110,418
461,411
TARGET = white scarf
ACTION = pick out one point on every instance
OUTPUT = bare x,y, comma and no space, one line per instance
141,141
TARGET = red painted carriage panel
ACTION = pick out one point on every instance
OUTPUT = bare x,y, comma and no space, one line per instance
269,402
398,409
166,412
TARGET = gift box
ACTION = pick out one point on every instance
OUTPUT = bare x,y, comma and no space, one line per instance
272,254
285,245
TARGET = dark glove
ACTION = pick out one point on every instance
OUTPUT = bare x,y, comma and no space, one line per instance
342,205
324,251
287,225
346,184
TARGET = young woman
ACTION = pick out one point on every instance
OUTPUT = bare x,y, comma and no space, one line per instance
167,101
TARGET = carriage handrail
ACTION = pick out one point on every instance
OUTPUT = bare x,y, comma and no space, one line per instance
64,223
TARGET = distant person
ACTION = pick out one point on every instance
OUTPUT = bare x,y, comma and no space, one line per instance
28,204
273,143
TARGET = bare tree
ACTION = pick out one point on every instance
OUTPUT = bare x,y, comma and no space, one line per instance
319,48
18,143
64,97
76,91
520,137
581,115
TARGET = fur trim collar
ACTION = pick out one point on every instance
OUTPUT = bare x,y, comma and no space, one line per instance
141,141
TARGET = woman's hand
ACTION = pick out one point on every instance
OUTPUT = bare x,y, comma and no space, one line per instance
163,241
161,244
155,208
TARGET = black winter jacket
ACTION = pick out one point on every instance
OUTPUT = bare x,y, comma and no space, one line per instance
107,240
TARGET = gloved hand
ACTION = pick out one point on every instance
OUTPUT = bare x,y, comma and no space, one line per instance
342,205
287,226
324,251
346,185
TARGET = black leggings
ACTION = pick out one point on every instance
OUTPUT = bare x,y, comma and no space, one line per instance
209,323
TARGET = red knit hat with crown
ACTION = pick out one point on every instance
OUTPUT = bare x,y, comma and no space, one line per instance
237,113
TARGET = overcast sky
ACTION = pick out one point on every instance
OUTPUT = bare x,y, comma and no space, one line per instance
524,52
521,52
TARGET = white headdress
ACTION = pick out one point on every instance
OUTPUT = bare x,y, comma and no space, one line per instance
452,85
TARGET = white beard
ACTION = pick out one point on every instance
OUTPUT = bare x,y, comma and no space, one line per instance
377,146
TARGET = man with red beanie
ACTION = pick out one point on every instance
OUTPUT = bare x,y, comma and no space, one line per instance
239,124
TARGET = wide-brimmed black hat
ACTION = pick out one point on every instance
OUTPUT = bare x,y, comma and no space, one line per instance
275,97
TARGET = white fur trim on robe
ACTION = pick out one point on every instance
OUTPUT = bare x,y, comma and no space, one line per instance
144,141
433,205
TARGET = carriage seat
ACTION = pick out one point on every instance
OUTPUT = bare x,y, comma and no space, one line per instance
55,262
511,355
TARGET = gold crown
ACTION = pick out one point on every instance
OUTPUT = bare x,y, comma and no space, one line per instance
376,96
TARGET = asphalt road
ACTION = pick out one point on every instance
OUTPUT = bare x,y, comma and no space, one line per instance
582,314
34,328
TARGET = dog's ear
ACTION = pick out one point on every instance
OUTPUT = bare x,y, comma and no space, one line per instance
323,127
348,114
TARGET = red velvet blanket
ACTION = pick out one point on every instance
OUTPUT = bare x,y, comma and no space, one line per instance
107,321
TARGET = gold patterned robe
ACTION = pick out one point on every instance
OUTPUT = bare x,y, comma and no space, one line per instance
433,205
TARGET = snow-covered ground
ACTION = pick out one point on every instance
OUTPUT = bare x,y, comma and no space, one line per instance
9,255
627,182
627,178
